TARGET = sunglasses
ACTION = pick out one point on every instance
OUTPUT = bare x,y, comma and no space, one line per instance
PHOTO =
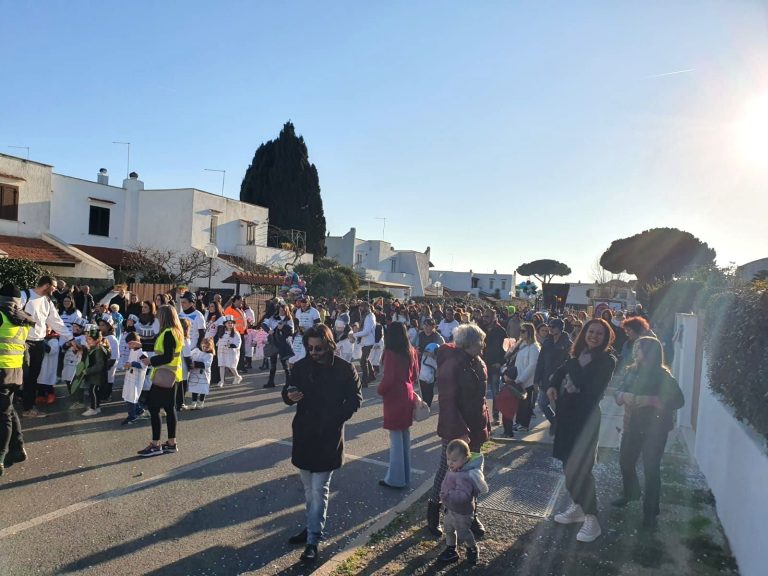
316,348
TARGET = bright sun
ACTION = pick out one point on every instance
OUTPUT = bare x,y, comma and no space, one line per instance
752,132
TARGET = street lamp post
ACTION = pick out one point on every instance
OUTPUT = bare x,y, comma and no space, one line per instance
211,251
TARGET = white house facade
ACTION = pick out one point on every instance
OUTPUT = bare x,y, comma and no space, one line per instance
95,223
501,286
582,295
403,272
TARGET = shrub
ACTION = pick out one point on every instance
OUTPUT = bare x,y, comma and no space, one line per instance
21,272
737,347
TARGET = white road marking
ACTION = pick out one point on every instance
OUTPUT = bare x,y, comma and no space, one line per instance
142,484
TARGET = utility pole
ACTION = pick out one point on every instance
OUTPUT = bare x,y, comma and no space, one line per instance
22,148
128,163
223,176
383,227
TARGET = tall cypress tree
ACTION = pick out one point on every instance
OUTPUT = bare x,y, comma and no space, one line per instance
282,179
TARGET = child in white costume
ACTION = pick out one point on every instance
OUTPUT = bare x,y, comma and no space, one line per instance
229,351
107,327
345,349
47,378
135,373
200,373
73,350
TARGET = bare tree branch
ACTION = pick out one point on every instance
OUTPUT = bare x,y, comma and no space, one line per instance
167,266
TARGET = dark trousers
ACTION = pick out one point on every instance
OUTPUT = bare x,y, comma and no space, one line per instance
525,408
196,397
215,376
365,365
241,360
494,376
181,390
273,369
162,398
11,438
34,361
580,482
650,443
427,392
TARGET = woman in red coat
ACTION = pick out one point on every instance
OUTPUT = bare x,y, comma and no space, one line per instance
401,370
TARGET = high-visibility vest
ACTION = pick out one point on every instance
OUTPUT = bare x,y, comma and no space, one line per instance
175,362
12,345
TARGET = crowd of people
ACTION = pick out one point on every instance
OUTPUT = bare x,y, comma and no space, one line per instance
531,363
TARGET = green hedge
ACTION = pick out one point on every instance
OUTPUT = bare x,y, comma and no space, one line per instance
736,330
20,272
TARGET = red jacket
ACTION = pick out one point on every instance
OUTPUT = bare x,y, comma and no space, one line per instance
396,389
462,389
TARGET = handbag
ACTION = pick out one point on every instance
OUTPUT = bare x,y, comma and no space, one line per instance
164,377
270,348
420,408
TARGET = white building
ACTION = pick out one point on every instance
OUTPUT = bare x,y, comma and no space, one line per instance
97,223
405,273
582,295
495,285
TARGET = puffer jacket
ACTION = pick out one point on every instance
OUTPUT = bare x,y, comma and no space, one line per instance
462,387
460,489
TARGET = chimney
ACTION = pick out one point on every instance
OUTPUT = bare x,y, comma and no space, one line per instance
103,176
132,183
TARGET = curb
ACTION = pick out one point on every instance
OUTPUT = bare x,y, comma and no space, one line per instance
381,521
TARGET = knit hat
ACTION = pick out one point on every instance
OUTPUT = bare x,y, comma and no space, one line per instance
10,291
557,323
188,296
133,318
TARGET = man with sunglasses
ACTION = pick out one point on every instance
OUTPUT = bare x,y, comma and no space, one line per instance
327,392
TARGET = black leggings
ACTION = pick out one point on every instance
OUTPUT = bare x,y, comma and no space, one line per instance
196,397
181,390
162,398
525,408
273,369
427,392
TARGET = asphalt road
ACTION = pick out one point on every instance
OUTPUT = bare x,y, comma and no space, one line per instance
85,503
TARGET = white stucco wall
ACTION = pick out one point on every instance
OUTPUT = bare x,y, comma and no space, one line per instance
462,282
342,248
734,461
34,183
70,207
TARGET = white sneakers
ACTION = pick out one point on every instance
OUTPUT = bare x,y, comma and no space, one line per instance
194,405
590,530
92,412
571,516
238,379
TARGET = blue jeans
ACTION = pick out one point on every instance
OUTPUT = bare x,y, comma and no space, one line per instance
399,472
133,410
316,488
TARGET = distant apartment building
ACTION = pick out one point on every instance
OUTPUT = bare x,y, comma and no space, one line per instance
477,284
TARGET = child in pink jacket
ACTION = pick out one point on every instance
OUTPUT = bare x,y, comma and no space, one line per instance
463,482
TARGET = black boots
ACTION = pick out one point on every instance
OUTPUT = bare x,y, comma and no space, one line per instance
433,518
309,555
300,538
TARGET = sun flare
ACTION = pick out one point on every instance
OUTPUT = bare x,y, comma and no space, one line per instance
752,132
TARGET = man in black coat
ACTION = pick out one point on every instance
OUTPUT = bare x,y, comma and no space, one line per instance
326,390
493,355
555,351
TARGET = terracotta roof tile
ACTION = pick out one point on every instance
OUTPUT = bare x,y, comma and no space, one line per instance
37,250
254,279
112,257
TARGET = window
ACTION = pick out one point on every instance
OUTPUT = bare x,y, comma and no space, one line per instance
214,224
359,258
9,203
503,284
474,282
393,264
491,283
250,238
98,221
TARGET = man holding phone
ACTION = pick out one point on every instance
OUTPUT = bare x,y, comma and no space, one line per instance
326,391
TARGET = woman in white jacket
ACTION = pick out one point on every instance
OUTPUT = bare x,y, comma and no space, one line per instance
525,362
366,338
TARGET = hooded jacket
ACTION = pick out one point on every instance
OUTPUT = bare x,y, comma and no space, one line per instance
460,489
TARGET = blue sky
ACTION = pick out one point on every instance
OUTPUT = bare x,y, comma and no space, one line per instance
494,132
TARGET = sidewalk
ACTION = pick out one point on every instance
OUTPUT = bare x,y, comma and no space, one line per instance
527,489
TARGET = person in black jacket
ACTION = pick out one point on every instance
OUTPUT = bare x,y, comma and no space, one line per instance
327,392
577,388
554,352
650,395
493,355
